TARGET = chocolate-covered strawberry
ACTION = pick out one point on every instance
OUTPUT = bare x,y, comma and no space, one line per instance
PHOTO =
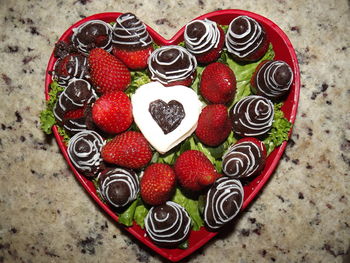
244,159
92,34
218,83
172,65
107,72
246,39
132,42
272,79
204,39
214,125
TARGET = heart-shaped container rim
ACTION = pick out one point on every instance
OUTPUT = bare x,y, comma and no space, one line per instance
283,51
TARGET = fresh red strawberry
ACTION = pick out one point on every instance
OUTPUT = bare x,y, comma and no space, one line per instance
218,83
107,72
157,183
215,53
194,170
133,58
74,114
214,125
112,112
129,149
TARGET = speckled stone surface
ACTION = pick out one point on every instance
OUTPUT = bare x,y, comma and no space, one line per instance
302,214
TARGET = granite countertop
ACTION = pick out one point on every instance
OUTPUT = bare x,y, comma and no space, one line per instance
302,214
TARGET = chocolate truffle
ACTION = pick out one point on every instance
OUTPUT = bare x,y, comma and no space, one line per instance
252,116
223,202
130,33
118,186
92,34
78,94
84,151
272,79
246,39
167,225
244,159
172,65
70,67
202,37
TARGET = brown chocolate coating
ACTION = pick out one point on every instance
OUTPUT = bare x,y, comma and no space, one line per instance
167,115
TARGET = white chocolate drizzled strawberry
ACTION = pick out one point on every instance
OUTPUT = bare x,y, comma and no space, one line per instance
167,224
223,202
92,34
244,36
252,116
173,63
84,151
243,160
201,36
118,186
130,32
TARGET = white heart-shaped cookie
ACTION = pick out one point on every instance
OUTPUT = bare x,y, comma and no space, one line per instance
178,107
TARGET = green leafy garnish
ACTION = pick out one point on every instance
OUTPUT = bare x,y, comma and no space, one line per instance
47,118
224,28
279,131
127,216
191,206
138,78
184,245
141,212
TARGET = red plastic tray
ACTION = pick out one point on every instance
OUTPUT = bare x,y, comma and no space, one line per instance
283,51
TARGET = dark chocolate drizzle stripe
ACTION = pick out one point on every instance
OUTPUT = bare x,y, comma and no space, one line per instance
129,31
209,40
246,43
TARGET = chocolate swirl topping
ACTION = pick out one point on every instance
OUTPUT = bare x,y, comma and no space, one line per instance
244,36
223,202
168,64
252,116
84,151
118,186
75,65
243,160
168,224
92,34
273,79
77,94
201,36
129,32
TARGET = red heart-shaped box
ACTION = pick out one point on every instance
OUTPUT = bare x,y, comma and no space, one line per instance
283,51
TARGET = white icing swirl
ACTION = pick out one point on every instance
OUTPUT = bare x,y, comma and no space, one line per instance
242,160
130,31
84,47
247,42
172,232
206,42
223,202
84,151
168,64
109,182
268,73
252,116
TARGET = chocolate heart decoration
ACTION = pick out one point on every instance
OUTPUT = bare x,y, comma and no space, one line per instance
167,115
283,51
